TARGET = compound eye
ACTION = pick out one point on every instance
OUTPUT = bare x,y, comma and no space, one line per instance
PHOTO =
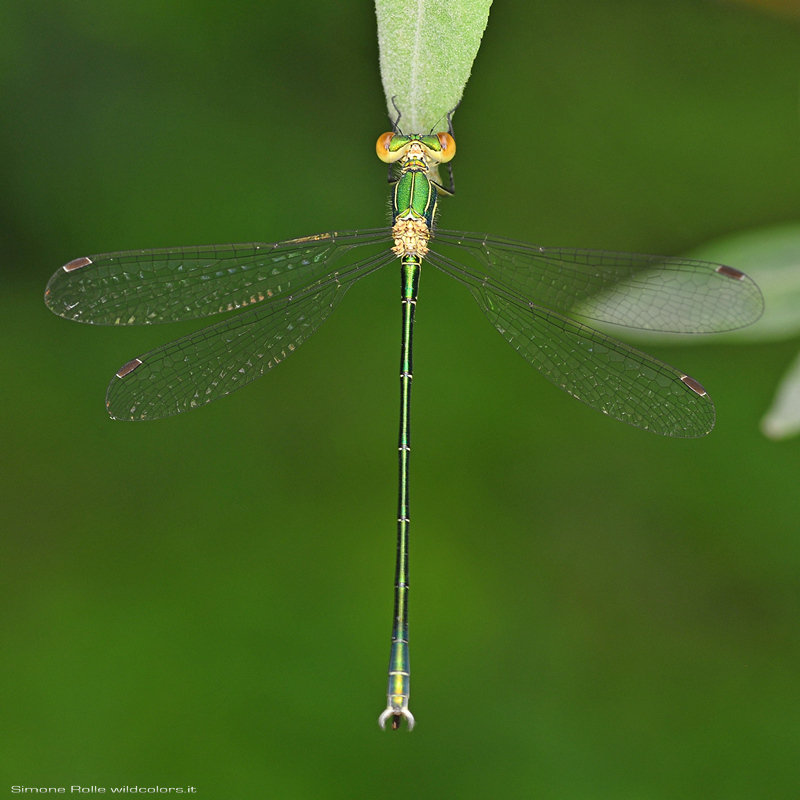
448,145
383,148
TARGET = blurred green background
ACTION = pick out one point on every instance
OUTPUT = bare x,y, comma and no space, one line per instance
596,612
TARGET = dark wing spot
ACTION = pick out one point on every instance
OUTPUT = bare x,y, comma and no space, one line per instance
730,272
694,385
77,263
126,369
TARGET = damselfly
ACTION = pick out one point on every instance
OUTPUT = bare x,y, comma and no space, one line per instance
536,297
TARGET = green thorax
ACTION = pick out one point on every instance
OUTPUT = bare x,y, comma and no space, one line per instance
414,195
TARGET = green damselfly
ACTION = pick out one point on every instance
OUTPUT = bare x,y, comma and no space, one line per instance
536,297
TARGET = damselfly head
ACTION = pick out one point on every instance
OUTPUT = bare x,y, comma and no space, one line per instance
438,148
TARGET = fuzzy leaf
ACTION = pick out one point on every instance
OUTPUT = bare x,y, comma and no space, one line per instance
426,52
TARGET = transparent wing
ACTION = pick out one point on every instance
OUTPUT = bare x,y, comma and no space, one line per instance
218,359
603,373
656,293
137,287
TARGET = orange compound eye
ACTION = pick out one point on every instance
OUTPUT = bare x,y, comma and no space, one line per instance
382,148
448,144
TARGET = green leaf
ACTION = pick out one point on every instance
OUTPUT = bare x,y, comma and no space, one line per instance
783,418
771,257
426,52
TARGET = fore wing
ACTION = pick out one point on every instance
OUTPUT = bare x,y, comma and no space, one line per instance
657,293
139,287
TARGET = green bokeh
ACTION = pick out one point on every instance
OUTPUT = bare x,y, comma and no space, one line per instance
596,612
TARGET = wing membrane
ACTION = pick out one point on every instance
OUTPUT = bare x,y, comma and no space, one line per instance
218,359
657,293
606,374
138,287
